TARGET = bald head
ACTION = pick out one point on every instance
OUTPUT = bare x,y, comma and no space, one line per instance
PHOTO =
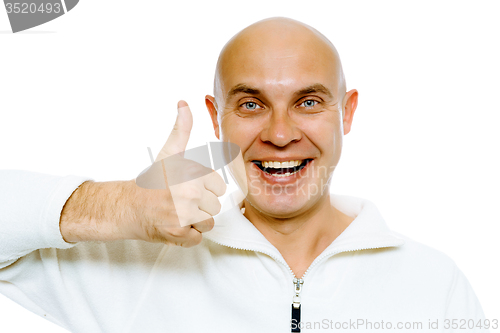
280,97
265,43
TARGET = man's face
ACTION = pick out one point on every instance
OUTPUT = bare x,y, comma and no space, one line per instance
280,103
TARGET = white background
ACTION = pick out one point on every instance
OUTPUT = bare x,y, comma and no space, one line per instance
86,94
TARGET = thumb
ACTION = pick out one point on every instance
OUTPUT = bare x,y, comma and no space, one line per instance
179,137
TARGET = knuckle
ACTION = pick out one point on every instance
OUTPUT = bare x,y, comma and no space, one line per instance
220,185
210,224
223,185
191,191
196,240
193,168
178,232
210,206
217,206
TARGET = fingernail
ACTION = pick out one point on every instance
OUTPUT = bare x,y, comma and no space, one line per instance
181,103
182,109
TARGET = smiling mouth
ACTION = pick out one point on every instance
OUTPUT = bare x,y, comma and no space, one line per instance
282,169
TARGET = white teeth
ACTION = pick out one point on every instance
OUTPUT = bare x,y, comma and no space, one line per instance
278,165
286,174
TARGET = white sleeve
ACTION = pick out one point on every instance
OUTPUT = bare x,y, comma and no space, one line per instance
463,307
30,210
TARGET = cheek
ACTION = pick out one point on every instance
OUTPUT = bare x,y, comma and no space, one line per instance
239,131
327,135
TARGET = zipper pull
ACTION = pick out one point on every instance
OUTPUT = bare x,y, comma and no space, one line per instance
295,323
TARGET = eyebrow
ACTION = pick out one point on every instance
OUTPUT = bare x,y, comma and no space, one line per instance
315,88
242,88
246,89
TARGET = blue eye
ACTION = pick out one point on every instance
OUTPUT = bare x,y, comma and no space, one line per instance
309,103
250,105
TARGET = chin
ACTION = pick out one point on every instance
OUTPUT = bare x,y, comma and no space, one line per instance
280,205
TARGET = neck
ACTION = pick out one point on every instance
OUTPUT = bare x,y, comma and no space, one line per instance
300,239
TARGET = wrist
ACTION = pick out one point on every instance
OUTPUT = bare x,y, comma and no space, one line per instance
98,211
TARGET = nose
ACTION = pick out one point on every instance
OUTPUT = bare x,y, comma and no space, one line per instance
280,130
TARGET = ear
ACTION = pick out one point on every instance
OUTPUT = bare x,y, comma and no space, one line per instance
212,110
350,105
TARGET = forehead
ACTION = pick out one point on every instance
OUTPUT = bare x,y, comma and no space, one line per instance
278,63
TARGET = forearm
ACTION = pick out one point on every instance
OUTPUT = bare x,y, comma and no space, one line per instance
100,211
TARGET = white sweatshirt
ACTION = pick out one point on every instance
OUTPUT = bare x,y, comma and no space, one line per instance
368,279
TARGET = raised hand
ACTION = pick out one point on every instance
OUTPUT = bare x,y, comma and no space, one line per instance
190,190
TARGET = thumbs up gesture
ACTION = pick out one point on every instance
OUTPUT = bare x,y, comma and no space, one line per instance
184,193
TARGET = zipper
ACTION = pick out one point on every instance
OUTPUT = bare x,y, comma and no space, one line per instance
295,323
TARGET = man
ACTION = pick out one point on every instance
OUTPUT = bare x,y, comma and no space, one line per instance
289,257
